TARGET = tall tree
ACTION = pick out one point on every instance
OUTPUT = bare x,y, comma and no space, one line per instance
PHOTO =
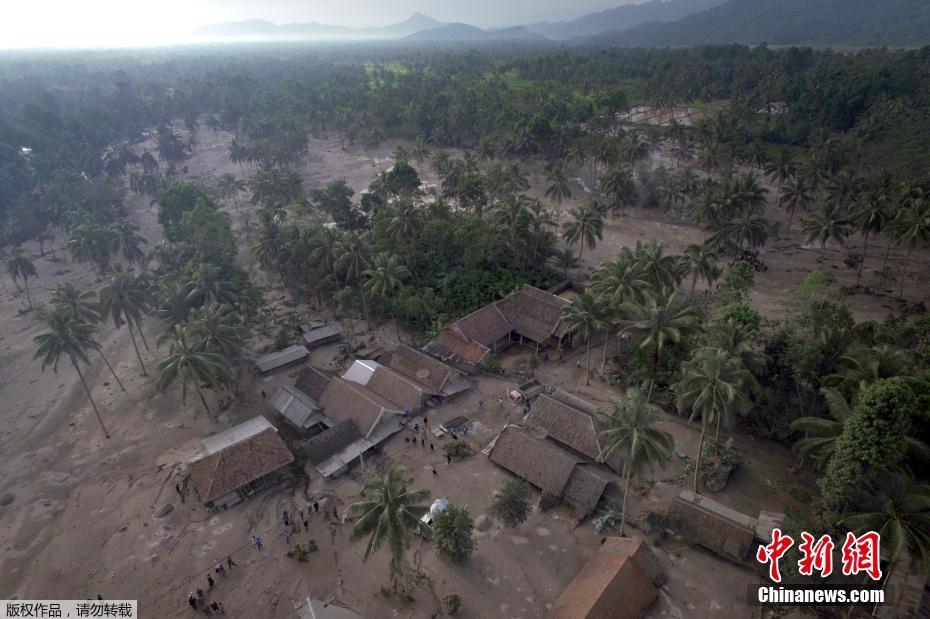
188,362
584,317
125,298
390,513
912,227
21,266
630,431
701,263
829,222
585,228
72,338
712,388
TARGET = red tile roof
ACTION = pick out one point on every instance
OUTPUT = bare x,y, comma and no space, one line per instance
614,584
226,470
397,388
485,326
419,366
537,461
344,399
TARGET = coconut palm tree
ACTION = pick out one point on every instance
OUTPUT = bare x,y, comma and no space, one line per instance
618,185
780,169
796,195
82,308
72,338
630,432
125,298
712,388
21,266
128,242
912,227
701,262
418,151
586,228
660,270
565,260
897,507
390,513
658,320
584,317
352,259
559,189
230,187
829,222
190,363
384,278
218,328
870,216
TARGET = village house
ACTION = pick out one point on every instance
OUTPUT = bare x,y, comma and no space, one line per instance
299,409
320,335
528,316
281,358
560,417
440,380
238,463
619,582
561,476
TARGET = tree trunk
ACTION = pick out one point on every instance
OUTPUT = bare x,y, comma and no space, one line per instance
136,347
142,335
790,219
697,462
694,282
626,492
823,252
587,365
907,257
604,357
885,261
865,250
717,432
28,296
203,401
90,397
112,371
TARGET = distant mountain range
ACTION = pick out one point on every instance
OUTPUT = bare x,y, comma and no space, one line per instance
788,22
655,23
265,30
464,32
622,17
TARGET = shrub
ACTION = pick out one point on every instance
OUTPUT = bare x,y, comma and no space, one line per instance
457,450
453,534
451,603
512,503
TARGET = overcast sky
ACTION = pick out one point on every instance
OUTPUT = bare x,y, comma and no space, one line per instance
96,23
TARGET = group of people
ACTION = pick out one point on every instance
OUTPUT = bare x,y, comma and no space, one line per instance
197,599
751,258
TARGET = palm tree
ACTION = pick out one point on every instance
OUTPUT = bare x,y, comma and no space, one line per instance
188,361
660,270
79,305
19,265
559,189
390,513
128,242
796,196
230,187
618,185
584,317
218,328
659,321
701,263
912,227
384,278
71,337
352,260
897,507
418,151
780,169
125,298
870,217
630,431
586,228
565,260
712,387
827,223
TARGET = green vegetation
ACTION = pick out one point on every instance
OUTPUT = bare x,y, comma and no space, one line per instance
512,503
453,534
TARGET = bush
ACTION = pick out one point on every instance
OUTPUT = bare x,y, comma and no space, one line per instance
512,503
451,603
453,534
871,441
740,314
457,450
490,365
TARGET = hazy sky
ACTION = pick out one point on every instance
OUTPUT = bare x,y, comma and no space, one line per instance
96,23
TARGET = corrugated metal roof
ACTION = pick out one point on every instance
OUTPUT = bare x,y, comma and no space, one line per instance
361,371
233,435
716,527
297,407
322,335
279,358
